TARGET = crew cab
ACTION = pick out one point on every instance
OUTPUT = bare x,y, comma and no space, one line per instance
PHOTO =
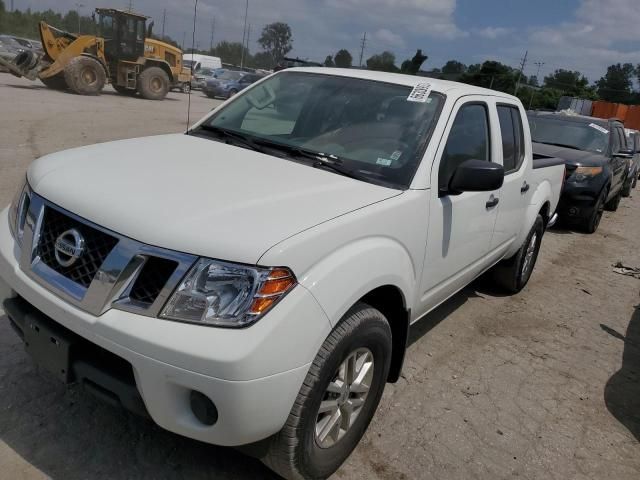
596,156
260,291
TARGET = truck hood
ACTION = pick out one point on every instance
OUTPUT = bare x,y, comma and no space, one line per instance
578,158
196,195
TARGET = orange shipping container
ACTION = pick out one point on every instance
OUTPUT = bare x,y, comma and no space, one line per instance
633,118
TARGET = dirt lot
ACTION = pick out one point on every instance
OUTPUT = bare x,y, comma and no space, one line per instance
543,385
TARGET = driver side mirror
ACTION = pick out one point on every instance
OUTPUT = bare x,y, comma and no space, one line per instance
476,176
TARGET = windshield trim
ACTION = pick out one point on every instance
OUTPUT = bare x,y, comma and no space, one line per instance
420,150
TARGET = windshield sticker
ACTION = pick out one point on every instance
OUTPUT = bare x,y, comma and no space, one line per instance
385,162
420,93
396,155
599,128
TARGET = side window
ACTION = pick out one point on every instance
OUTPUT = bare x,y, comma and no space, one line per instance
468,139
623,139
512,137
616,143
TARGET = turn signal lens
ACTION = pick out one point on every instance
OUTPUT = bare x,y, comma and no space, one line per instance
276,287
260,305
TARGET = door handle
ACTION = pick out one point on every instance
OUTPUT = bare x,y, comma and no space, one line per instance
525,187
493,201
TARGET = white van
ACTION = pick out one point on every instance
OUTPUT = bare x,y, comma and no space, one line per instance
196,62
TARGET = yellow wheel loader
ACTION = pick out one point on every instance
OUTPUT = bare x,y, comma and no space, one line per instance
122,54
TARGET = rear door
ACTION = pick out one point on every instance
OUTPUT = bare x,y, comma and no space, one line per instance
618,164
515,191
460,226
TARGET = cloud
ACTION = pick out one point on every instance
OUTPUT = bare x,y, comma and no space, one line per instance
389,38
602,32
493,32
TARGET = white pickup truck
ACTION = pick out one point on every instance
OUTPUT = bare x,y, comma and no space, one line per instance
259,291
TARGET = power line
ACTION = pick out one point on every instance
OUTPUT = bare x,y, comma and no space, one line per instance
363,44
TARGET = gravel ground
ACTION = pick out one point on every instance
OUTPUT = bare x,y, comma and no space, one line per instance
541,385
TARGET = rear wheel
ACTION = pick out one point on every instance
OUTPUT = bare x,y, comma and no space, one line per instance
626,189
153,83
514,273
57,82
85,75
337,400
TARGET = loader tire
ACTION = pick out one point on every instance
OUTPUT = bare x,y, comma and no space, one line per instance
57,82
153,83
85,76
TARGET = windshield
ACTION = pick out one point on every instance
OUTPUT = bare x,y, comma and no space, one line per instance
370,128
229,75
581,136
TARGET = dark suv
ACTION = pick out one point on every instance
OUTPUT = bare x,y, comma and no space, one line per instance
596,156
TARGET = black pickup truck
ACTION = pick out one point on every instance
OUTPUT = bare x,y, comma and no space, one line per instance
596,158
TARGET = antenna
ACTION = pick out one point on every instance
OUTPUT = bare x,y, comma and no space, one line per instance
193,42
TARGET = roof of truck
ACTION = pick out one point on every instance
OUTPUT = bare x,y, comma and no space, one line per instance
575,118
442,86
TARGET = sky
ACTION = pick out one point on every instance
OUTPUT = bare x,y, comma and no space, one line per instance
583,35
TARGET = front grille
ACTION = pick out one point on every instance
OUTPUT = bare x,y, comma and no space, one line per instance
97,246
152,279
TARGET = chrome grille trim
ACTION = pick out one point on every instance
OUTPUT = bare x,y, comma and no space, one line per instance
113,281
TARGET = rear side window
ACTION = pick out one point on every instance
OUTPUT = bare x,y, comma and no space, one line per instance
468,139
512,137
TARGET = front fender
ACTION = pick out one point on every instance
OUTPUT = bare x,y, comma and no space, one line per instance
342,278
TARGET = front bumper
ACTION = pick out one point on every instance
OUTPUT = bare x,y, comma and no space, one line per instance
578,200
252,375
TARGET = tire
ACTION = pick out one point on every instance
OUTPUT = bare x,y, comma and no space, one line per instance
57,82
514,273
153,83
186,87
626,189
232,93
85,76
613,204
635,182
124,91
592,224
296,452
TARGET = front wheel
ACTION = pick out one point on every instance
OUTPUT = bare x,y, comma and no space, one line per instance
186,87
514,273
593,222
153,83
626,189
337,400
85,75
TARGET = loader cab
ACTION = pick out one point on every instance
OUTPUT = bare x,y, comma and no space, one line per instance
123,33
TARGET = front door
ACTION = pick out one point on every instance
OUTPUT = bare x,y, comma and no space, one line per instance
460,226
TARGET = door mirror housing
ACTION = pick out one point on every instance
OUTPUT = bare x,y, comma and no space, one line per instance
476,176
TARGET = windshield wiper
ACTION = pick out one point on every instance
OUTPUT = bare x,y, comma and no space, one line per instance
245,140
320,160
562,145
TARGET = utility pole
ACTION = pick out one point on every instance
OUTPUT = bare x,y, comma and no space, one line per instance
533,92
213,29
164,21
363,44
248,39
130,8
12,5
244,33
522,65
184,39
78,7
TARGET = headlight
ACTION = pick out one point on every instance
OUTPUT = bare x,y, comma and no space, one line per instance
18,211
225,294
583,173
